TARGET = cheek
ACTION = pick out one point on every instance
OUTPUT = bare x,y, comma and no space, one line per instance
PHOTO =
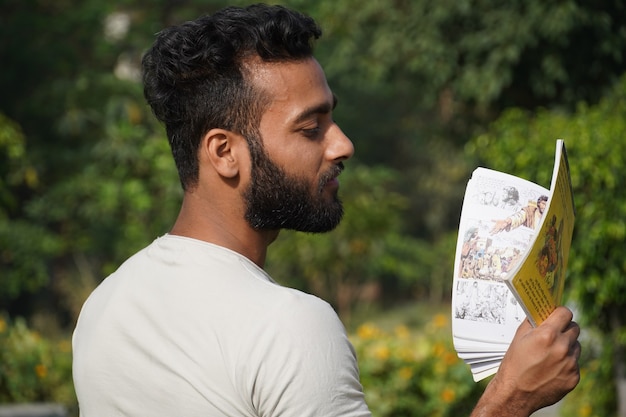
245,167
294,154
301,161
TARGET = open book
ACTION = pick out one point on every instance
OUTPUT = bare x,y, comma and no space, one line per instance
511,257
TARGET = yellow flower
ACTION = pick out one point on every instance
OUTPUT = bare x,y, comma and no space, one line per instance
65,346
440,368
439,349
585,411
367,331
450,358
31,177
358,246
405,373
41,371
402,332
3,325
381,352
447,395
134,113
406,353
440,320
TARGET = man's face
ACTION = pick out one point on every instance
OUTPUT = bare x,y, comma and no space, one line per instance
541,206
293,179
276,200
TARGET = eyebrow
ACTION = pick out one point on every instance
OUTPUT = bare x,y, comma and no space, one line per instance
323,108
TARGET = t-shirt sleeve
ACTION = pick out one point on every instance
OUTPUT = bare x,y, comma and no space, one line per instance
303,364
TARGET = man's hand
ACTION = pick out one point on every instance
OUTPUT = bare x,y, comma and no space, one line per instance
540,367
500,225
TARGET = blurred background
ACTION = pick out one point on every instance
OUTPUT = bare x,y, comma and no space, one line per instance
428,91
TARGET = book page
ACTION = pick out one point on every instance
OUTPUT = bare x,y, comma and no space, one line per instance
483,308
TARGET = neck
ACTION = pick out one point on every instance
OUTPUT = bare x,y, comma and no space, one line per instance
217,225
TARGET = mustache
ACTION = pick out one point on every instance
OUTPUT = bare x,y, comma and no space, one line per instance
332,173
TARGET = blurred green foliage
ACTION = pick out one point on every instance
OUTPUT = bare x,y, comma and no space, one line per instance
34,368
523,53
21,257
414,372
595,395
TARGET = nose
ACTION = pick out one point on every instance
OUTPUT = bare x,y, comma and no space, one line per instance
340,147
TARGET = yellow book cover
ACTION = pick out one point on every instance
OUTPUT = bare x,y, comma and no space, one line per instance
538,281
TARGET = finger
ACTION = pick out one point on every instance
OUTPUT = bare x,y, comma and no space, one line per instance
525,327
576,350
572,328
560,318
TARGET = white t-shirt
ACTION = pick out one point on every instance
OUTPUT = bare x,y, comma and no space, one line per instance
186,328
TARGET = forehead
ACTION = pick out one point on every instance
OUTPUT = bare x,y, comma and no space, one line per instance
291,87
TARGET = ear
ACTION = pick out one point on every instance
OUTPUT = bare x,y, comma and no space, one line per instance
221,149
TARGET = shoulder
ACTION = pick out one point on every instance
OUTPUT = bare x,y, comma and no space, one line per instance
302,362
299,318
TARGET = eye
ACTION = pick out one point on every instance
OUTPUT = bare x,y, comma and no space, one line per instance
311,133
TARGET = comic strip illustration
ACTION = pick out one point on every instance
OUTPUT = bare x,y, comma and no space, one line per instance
500,217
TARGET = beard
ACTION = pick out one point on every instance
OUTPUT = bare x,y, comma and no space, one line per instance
276,200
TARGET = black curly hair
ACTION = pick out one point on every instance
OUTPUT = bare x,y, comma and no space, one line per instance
195,80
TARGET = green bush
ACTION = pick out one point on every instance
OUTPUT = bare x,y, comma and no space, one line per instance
410,373
593,397
34,368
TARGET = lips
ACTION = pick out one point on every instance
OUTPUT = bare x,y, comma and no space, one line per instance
329,179
333,182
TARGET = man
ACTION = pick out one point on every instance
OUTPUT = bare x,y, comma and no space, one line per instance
510,198
529,216
192,325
